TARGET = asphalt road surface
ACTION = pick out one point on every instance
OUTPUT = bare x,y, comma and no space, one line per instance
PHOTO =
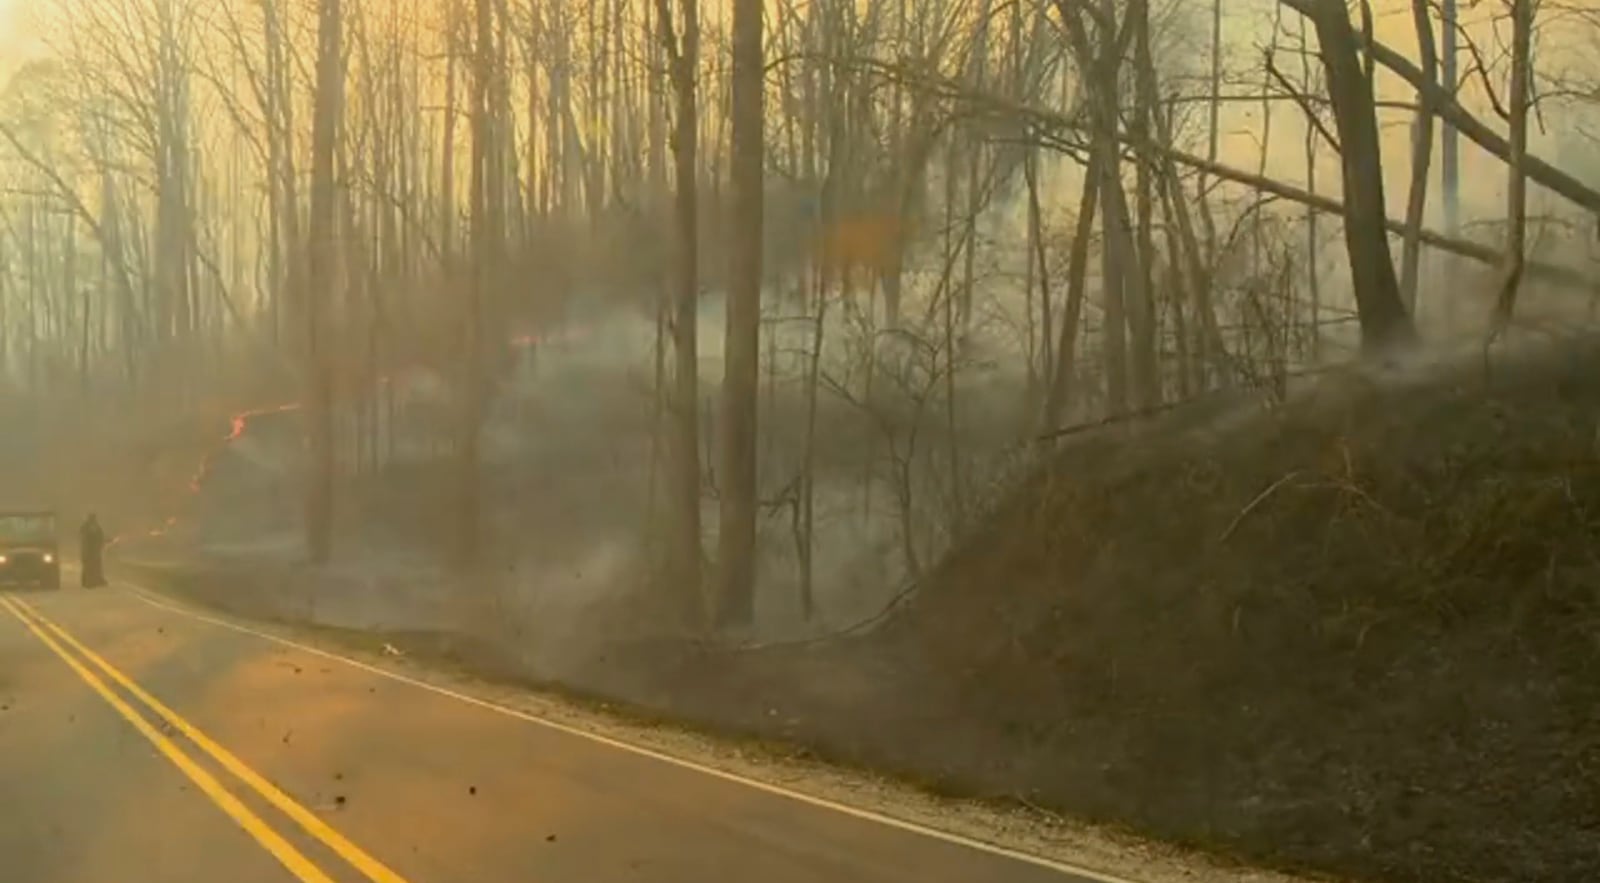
140,744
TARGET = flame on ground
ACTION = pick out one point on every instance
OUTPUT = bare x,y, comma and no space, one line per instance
161,530
237,426
239,423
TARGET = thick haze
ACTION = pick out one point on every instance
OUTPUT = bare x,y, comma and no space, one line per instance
164,216
966,390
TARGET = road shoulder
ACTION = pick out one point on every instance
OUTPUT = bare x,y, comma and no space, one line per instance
1002,828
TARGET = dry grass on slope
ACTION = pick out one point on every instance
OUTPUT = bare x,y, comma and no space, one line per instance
1360,634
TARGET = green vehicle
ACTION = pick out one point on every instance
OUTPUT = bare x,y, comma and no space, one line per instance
30,550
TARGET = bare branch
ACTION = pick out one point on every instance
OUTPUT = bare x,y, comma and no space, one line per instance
1451,111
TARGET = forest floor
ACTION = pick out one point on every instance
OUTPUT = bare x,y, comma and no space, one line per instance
1357,635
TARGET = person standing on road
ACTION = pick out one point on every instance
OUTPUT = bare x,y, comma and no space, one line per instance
91,546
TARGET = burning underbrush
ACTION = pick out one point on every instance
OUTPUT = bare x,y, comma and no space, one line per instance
1358,634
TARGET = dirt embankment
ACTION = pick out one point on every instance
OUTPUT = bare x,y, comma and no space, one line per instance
1359,635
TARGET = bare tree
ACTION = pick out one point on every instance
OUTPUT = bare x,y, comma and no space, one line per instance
1421,157
486,194
319,372
684,551
1385,324
741,378
1058,397
1523,13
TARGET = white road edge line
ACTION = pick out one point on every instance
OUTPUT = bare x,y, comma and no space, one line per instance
149,597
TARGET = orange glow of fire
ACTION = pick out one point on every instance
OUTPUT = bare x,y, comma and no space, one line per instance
236,428
238,424
160,530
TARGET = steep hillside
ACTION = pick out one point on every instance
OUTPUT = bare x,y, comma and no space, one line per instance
1358,635
1361,634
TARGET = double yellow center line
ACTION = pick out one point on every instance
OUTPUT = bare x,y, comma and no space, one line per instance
59,642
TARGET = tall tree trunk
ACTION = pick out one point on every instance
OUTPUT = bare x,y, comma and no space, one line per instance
1101,67
537,138
1059,395
319,394
684,567
1421,158
1313,233
1145,333
742,372
447,161
1042,361
1213,128
486,196
279,101
1385,324
1522,15
808,464
1450,152
69,275
5,314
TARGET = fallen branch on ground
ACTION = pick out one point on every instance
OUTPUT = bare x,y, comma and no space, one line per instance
1260,498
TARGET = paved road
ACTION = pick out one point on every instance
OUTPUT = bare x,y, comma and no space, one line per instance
139,744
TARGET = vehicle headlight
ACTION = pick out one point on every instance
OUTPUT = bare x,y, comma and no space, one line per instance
2,559
49,558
